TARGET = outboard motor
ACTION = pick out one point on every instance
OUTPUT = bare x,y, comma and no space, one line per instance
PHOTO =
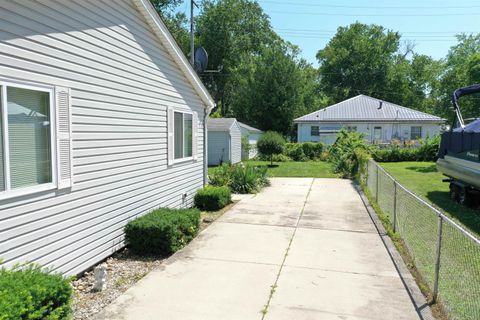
459,154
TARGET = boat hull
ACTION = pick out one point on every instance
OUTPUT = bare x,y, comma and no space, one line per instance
460,169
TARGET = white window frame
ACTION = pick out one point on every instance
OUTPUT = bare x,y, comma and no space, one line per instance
8,192
411,132
183,159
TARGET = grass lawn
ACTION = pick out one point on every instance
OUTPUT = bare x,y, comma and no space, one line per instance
310,169
423,179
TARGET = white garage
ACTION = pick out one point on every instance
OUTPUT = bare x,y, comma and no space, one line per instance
224,141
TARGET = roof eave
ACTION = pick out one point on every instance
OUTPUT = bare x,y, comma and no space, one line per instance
162,32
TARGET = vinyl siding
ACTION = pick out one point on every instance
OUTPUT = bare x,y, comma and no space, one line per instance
236,143
122,82
400,130
218,147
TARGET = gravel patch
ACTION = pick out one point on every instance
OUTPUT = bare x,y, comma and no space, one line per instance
123,270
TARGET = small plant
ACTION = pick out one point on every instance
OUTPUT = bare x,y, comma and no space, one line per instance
28,292
240,178
163,231
270,144
212,198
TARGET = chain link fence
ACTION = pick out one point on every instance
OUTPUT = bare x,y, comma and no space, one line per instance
445,254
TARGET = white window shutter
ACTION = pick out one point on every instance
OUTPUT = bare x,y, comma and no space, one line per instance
195,135
170,134
64,137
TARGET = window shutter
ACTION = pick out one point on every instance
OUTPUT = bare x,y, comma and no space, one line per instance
170,142
195,135
64,137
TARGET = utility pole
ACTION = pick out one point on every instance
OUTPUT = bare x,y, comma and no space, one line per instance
192,33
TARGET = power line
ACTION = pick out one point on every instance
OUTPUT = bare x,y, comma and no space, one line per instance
433,7
376,15
406,32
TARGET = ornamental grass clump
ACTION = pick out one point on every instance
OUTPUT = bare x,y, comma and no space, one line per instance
240,178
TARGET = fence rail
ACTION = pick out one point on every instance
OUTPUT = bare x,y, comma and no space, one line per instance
445,254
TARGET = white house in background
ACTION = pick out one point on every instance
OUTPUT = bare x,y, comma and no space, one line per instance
252,134
224,141
102,120
381,121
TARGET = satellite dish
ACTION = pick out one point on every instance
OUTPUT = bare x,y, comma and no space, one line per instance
201,60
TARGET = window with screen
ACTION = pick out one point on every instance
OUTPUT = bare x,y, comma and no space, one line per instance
183,135
314,131
415,133
26,138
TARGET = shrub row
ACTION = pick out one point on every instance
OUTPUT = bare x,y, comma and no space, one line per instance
212,198
31,293
427,151
240,178
162,231
301,151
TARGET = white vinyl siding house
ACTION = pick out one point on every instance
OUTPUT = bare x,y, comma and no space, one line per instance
224,141
89,94
252,134
380,121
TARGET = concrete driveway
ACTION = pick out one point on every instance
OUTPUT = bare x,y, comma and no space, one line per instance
301,249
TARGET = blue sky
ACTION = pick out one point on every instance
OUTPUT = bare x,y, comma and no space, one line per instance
431,25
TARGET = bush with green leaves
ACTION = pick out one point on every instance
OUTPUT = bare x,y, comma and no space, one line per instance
211,198
270,144
426,151
162,231
345,151
240,178
28,292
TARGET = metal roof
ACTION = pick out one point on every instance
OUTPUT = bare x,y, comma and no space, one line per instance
364,108
220,124
249,128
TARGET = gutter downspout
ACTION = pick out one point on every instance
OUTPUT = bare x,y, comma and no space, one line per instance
205,146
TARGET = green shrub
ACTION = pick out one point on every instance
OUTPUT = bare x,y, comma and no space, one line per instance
271,143
312,150
220,176
212,198
427,151
295,151
276,158
344,152
31,293
240,178
163,231
304,151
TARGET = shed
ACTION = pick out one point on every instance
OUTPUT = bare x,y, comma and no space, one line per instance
252,135
380,121
224,141
105,123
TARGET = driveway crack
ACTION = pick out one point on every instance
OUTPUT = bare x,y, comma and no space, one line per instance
274,286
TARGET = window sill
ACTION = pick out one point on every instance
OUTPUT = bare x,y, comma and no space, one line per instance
26,191
183,160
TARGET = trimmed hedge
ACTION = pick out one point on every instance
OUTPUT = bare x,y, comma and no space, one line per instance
426,151
212,198
163,231
31,293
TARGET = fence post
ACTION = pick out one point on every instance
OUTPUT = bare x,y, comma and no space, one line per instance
394,206
437,261
376,188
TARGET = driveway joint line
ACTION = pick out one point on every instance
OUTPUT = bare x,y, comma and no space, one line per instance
274,286
340,271
231,261
257,224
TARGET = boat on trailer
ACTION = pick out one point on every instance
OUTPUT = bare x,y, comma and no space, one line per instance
459,154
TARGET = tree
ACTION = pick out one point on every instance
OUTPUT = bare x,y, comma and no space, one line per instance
230,29
358,59
461,69
270,144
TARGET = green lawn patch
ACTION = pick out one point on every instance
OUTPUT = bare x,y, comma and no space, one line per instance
307,169
423,179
